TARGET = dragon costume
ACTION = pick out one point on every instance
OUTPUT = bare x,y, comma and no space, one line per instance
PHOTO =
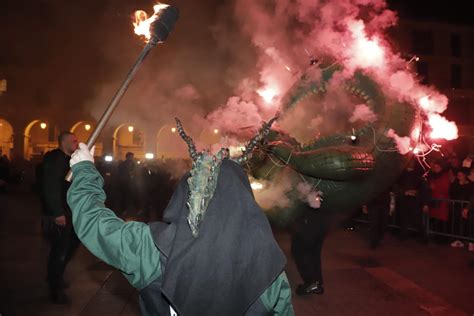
348,169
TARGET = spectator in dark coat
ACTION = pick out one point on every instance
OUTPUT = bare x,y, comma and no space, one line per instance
57,221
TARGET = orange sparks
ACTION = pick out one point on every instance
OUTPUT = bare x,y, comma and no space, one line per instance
143,22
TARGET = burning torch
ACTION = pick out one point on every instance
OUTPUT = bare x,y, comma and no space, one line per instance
155,29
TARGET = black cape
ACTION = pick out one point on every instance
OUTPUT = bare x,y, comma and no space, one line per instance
233,260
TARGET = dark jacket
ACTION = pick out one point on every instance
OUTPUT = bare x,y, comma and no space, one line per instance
463,192
53,185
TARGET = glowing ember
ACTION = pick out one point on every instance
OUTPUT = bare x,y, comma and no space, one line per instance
142,21
442,128
268,94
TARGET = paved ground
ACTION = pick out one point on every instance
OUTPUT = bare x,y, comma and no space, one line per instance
399,278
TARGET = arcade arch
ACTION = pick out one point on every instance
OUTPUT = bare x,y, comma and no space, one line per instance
83,130
39,138
128,138
6,138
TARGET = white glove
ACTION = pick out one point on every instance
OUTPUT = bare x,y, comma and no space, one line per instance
82,154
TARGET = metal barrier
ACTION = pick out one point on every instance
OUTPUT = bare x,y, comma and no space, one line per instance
457,226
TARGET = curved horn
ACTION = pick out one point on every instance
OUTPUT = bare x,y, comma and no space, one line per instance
257,139
187,139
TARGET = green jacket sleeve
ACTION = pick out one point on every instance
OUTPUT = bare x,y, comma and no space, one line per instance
277,297
52,185
128,246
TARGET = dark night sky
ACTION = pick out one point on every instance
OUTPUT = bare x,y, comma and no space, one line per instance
455,11
55,53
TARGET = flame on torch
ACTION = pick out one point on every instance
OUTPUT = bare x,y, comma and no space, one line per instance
142,21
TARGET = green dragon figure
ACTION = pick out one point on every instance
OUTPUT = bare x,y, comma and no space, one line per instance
348,170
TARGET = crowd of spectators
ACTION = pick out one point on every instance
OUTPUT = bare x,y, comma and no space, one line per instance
137,188
439,201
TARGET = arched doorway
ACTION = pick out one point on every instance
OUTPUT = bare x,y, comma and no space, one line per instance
39,138
6,138
83,130
128,138
169,144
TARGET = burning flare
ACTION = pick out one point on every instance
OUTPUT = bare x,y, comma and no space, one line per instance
365,52
442,128
142,21
268,93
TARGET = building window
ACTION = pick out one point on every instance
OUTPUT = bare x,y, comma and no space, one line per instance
456,76
423,73
455,45
423,42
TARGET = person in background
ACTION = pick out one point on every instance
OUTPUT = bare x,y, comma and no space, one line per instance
126,183
410,192
4,173
306,247
378,210
4,179
439,183
453,167
57,222
461,190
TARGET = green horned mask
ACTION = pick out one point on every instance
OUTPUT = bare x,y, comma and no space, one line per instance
205,172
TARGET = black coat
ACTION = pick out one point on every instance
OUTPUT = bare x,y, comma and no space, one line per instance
53,184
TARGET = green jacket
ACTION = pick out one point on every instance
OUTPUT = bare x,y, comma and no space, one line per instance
128,246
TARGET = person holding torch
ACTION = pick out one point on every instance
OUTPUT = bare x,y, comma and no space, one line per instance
214,253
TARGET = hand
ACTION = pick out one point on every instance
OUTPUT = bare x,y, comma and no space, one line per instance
82,154
464,213
426,209
60,220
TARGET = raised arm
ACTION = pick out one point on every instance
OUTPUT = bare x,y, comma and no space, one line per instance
128,246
